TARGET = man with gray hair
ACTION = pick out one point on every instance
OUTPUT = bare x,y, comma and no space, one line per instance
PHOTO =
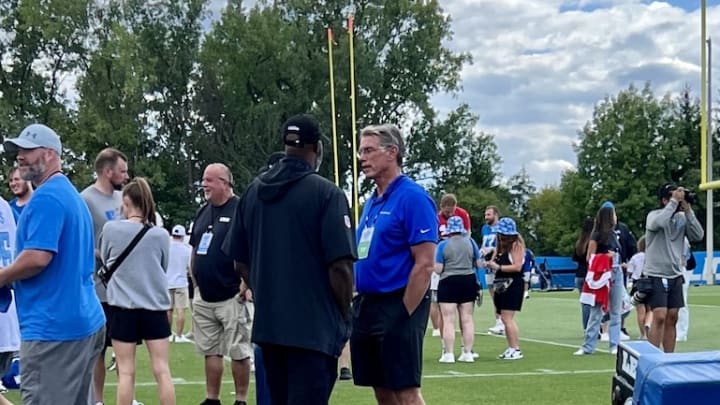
396,235
62,333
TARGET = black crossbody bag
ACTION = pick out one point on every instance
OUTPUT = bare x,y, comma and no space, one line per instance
104,273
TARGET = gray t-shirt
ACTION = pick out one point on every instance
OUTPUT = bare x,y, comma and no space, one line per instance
458,255
665,233
140,281
103,208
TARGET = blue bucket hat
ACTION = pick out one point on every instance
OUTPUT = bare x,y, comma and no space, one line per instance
608,204
455,225
506,226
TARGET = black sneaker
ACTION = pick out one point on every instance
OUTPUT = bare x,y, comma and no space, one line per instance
209,401
345,374
240,402
113,364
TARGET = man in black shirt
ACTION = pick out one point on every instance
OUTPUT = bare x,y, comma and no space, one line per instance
221,317
293,236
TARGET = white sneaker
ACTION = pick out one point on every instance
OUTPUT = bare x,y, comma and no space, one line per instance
134,402
624,336
511,354
447,358
581,352
505,353
182,339
436,332
613,351
604,337
474,354
466,357
497,330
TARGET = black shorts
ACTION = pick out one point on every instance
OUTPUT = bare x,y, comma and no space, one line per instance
386,345
458,289
512,298
133,325
662,297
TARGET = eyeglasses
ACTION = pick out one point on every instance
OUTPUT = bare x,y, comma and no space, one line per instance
369,150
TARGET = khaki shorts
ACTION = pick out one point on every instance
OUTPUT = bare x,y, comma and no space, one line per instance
179,298
222,328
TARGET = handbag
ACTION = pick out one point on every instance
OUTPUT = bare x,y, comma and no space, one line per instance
104,273
501,284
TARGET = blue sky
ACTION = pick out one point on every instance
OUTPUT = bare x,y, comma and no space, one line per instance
540,66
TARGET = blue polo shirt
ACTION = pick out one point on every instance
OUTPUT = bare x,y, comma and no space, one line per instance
403,217
59,303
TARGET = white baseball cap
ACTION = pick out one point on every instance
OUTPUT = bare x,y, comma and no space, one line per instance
178,230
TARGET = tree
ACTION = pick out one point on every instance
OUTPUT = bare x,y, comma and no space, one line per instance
259,66
451,154
137,94
42,47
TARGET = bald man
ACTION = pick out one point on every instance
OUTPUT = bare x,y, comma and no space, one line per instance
221,317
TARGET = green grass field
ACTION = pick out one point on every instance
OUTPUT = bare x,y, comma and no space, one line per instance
549,374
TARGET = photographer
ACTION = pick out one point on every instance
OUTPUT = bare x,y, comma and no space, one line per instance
665,232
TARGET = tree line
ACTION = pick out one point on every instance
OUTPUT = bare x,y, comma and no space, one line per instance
176,90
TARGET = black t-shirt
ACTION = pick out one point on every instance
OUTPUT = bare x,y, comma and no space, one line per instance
606,246
290,226
214,272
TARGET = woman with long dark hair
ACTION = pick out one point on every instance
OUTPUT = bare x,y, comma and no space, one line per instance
604,273
507,262
580,257
137,292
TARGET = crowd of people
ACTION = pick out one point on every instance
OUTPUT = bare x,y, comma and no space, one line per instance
282,274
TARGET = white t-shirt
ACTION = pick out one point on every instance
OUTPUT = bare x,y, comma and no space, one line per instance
635,265
178,264
9,327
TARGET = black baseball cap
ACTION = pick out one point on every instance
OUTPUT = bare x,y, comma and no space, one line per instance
300,130
666,190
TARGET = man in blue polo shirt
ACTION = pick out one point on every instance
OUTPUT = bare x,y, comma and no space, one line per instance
62,325
396,237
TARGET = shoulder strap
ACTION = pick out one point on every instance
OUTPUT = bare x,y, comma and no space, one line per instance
129,248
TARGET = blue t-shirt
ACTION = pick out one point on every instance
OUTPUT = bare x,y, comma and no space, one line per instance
59,303
16,209
403,217
529,262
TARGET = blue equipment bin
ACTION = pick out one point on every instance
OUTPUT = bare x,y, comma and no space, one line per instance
678,378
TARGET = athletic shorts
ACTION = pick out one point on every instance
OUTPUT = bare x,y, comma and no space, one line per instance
458,289
662,296
133,325
58,372
386,344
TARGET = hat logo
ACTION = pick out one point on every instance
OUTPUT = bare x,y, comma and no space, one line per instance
293,128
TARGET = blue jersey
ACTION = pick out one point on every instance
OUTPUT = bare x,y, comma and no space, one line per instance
489,240
16,209
529,262
403,217
59,303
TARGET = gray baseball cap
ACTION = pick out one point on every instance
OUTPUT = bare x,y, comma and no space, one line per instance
32,137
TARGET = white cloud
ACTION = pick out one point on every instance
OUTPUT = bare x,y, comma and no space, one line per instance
540,66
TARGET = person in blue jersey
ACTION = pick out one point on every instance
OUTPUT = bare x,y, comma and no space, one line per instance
528,267
397,236
487,249
62,325
22,191
455,262
9,328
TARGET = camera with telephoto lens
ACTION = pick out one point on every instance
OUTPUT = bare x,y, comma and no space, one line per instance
690,196
640,290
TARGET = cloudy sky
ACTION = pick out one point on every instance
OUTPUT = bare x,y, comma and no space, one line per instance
541,65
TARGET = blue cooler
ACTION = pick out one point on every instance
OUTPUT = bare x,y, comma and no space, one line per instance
626,365
678,378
